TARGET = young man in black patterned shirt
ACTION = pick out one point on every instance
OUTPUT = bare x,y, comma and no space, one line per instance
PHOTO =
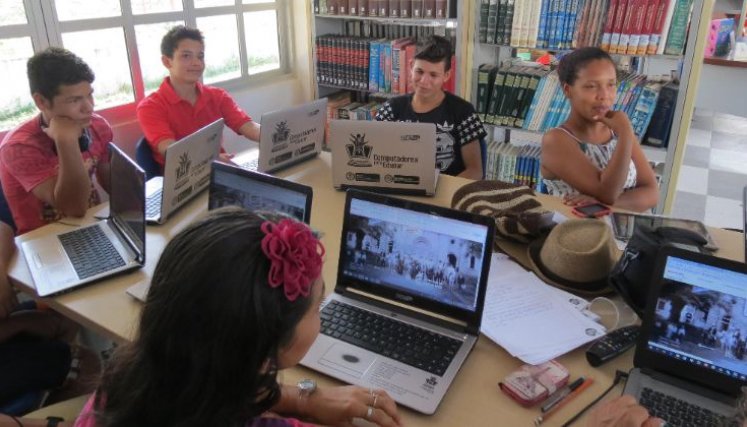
458,129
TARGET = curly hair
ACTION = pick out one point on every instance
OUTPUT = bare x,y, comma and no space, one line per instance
171,40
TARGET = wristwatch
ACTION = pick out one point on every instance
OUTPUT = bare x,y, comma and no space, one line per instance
306,387
53,421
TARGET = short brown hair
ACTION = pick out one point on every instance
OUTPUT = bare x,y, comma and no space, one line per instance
435,49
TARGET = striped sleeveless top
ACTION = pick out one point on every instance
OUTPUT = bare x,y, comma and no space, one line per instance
599,155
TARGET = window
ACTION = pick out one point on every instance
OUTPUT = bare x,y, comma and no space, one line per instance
120,40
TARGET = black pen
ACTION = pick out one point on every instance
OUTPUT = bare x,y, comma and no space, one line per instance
555,398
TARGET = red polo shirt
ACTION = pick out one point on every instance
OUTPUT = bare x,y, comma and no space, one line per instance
164,115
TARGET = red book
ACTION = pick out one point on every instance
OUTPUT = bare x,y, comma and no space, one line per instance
661,16
637,26
450,85
332,7
617,27
628,23
429,9
409,55
342,7
648,25
608,25
441,9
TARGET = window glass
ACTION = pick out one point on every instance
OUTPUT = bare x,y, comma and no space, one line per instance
104,51
149,52
140,7
16,104
211,3
12,12
258,1
70,10
221,47
263,52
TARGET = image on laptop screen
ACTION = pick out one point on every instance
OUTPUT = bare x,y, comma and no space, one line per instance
419,253
253,191
127,202
701,317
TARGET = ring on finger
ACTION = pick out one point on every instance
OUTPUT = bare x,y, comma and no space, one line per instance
376,397
369,412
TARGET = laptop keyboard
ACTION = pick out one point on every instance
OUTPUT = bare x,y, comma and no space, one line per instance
397,340
251,165
90,251
678,413
153,204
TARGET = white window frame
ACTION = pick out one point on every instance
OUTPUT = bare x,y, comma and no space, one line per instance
46,30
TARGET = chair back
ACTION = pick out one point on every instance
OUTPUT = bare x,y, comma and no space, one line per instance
144,159
5,214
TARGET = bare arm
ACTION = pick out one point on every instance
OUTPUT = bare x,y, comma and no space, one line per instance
8,299
250,130
645,195
472,161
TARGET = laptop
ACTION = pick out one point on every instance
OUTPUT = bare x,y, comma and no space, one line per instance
691,350
391,157
744,221
408,301
234,186
62,261
186,172
288,137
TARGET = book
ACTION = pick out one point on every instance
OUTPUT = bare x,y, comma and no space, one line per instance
417,9
405,8
617,26
661,29
542,25
639,16
658,131
442,11
644,108
533,25
496,95
652,9
484,84
509,17
516,23
488,17
429,9
394,8
609,23
383,11
374,65
675,43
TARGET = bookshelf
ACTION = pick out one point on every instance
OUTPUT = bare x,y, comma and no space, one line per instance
688,65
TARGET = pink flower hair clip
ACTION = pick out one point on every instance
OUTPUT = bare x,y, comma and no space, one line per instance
295,256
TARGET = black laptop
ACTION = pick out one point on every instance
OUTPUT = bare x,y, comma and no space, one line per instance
691,357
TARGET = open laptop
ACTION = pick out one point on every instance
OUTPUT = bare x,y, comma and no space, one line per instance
288,137
692,342
408,302
393,157
234,186
744,221
62,261
186,172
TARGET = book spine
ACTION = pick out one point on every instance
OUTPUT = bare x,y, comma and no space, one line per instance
491,20
482,33
627,29
527,101
649,18
533,27
394,8
405,8
373,8
417,9
500,21
441,9
373,66
609,25
496,94
429,9
483,74
620,13
383,9
516,23
509,21
661,26
332,7
542,25
678,29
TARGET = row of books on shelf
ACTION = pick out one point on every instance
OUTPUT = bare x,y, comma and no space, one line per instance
513,163
365,64
631,27
416,9
342,105
531,98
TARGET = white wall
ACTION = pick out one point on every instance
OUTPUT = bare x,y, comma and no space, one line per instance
722,89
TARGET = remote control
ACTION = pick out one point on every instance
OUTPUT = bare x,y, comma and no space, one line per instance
612,345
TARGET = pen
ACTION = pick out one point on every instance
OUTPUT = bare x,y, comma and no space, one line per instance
542,418
560,394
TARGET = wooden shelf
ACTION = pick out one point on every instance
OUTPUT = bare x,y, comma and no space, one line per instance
725,62
421,22
373,94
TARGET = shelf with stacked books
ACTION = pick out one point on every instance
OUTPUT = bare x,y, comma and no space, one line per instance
379,95
423,22
411,10
649,37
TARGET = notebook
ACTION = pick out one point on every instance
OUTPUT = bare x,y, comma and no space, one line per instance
62,261
408,300
393,157
234,186
186,172
692,342
288,137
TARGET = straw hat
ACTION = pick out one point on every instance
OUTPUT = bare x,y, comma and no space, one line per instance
578,255
518,215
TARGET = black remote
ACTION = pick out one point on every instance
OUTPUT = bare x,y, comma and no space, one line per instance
612,345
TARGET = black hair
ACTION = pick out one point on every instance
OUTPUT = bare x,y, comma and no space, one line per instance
171,40
434,49
573,61
206,352
55,66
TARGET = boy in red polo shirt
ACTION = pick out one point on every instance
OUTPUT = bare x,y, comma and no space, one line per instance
182,104
47,164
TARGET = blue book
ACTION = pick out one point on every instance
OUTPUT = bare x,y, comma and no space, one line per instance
373,67
552,20
552,110
535,100
542,28
560,25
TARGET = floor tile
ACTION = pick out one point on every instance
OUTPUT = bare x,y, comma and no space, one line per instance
693,180
698,137
697,156
727,160
689,206
727,123
724,213
701,122
728,185
728,141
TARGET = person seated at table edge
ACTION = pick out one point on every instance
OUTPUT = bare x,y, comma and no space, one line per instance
47,163
458,128
594,155
182,104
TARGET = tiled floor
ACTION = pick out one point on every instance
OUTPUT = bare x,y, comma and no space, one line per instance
714,170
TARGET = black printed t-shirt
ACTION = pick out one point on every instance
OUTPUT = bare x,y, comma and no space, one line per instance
456,122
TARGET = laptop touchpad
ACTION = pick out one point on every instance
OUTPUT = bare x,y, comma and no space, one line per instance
348,359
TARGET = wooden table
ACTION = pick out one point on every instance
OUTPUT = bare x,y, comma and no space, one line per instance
473,399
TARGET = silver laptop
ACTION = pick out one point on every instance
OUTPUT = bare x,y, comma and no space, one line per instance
394,157
288,137
744,221
186,172
691,353
408,302
62,261
234,186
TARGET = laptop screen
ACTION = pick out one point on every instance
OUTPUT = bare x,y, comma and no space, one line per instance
232,186
701,317
415,253
127,198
